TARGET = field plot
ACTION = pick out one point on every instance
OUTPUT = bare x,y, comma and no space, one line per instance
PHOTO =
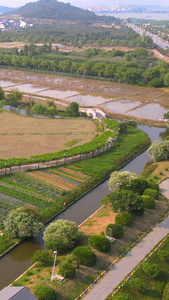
24,136
40,189
51,178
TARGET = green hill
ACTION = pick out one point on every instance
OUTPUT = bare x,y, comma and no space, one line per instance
52,9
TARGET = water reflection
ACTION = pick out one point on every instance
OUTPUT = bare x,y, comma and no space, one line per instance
120,106
152,111
27,112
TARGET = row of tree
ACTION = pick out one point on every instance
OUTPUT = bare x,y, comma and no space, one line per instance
129,72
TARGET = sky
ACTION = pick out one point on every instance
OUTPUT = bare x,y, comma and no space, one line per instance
92,3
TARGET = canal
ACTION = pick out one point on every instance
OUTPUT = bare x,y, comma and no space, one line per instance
18,260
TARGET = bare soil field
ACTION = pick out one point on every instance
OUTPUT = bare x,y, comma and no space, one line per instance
23,136
85,86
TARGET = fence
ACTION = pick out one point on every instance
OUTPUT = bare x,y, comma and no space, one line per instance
54,163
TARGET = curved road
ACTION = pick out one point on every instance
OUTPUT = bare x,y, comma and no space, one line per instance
113,278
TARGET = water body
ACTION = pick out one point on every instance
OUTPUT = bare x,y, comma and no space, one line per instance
18,260
147,16
27,112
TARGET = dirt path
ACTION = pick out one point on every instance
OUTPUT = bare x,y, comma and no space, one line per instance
160,56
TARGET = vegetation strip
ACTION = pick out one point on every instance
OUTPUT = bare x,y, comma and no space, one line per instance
121,256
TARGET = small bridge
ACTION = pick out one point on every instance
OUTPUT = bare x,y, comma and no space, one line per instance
93,113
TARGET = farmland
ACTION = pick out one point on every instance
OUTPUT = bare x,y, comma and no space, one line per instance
23,136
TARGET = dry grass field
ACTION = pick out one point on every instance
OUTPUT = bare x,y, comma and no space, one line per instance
23,136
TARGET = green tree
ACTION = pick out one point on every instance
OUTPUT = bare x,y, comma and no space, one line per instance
73,109
166,80
61,235
159,151
14,96
44,258
117,178
22,222
45,293
2,94
125,201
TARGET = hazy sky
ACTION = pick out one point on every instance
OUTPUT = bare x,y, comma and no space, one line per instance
96,3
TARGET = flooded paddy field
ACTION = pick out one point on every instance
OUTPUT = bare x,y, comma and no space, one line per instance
143,102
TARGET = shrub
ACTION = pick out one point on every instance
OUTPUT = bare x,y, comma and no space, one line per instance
163,255
67,270
152,193
153,185
45,293
137,284
139,212
124,219
114,230
84,256
43,257
151,270
148,201
122,296
100,242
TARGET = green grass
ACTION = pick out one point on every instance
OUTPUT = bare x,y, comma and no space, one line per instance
155,288
128,144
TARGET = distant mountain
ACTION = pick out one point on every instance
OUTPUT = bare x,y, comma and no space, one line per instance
52,9
4,9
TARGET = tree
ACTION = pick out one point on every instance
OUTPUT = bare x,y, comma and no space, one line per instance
14,96
45,293
159,151
61,235
117,178
38,109
73,109
125,201
44,258
23,222
2,94
166,80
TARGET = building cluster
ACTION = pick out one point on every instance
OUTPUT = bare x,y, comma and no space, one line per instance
120,9
13,25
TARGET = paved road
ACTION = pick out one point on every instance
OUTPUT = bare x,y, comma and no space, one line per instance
113,278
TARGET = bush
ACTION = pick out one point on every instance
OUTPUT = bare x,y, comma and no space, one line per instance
153,185
114,230
152,193
100,242
136,185
137,285
139,212
67,270
148,201
122,296
151,270
43,257
163,255
124,219
45,293
84,256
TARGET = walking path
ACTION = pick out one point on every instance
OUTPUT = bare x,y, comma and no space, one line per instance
113,278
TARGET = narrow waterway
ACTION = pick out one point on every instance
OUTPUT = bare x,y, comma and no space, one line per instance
18,260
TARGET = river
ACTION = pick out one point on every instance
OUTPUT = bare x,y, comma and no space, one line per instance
18,260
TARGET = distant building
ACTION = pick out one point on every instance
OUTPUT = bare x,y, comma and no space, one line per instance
16,293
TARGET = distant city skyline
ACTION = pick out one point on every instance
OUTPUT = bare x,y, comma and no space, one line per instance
94,3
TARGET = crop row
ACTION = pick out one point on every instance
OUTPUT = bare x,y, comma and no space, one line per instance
53,179
22,195
66,176
26,181
74,173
